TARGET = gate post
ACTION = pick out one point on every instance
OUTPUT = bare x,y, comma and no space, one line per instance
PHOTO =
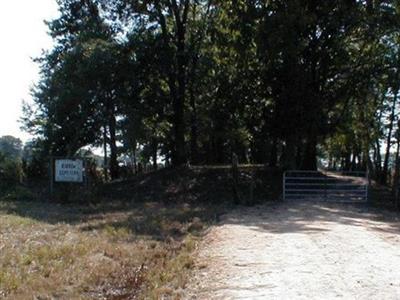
284,186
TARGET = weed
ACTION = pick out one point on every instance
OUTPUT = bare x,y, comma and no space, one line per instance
114,249
97,252
117,233
19,193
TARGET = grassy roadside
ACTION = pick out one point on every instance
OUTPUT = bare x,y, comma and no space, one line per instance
136,242
119,251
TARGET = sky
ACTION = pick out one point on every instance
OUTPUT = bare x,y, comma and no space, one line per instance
23,35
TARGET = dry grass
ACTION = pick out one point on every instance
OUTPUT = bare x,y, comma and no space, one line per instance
113,251
136,242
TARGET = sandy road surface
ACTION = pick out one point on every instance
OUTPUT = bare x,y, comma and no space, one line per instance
300,251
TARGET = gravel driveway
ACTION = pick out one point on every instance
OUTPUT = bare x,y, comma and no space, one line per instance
300,251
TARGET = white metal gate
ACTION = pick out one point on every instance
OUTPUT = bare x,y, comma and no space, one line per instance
326,186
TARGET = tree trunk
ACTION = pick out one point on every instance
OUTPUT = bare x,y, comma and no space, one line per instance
219,150
154,154
378,161
310,154
273,157
179,101
194,150
135,162
330,161
289,154
395,188
176,70
347,161
113,147
389,141
105,162
298,155
353,161
179,157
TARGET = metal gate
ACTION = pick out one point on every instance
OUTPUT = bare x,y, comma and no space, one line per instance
325,186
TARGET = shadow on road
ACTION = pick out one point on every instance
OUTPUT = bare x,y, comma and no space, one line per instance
312,217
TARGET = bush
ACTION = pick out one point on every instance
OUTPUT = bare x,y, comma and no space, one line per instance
35,168
18,193
11,171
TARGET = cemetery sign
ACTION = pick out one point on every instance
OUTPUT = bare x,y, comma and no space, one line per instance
69,170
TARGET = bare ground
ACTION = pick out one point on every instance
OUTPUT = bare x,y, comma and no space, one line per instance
300,251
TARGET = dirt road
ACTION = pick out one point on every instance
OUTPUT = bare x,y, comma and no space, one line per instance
300,251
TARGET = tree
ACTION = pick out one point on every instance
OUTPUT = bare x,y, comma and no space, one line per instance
276,82
11,146
76,100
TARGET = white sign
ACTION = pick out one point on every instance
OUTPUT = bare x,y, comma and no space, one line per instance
68,170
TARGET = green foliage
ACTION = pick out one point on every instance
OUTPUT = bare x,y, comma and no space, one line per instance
11,146
272,81
11,171
17,193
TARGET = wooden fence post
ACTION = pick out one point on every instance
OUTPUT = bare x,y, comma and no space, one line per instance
235,178
252,188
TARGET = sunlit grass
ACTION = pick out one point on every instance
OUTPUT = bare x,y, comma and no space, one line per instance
54,251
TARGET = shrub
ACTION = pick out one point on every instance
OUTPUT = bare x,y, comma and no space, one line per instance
18,193
11,171
35,168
